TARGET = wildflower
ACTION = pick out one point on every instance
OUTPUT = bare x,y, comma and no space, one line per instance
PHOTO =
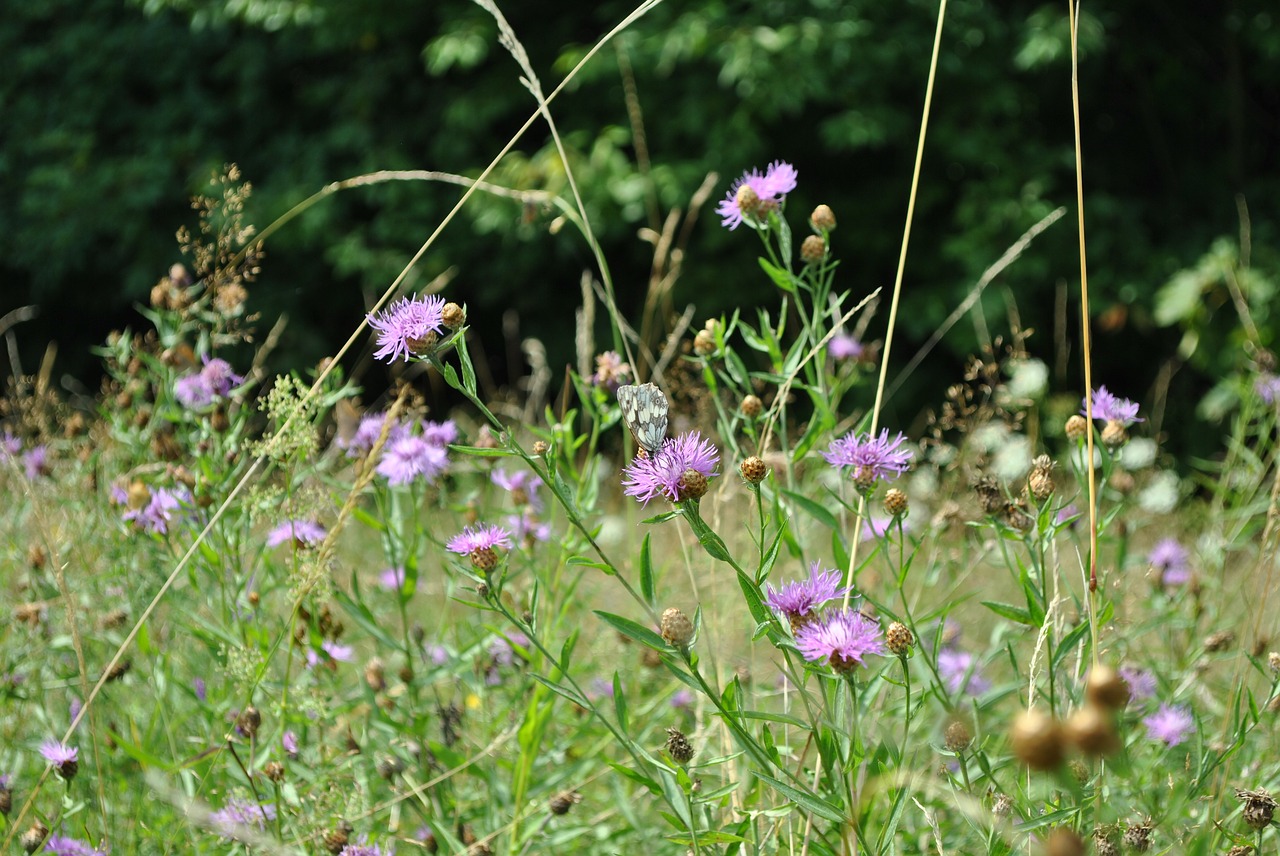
522,485
1171,560
453,316
411,457
1169,724
392,579
753,470
899,639
367,433
870,458
611,372
1142,684
813,249
843,639
340,653
823,219
799,601
36,462
64,758
440,433
662,472
438,654
1110,408
156,514
770,188
303,533
361,849
479,542
1259,807
239,813
845,347
957,671
60,845
502,650
681,699
289,742
527,528
679,747
193,391
407,327
677,629
883,527
10,445
1267,387
200,689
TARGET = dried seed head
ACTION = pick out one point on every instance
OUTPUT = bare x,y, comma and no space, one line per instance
753,469
274,771
249,721
34,836
899,639
1037,740
540,447
1092,730
1106,840
676,628
678,746
1040,482
6,800
751,406
1002,805
1138,836
823,219
957,737
990,496
1106,688
1114,434
895,503
1240,850
704,343
1273,660
1075,427
563,801
453,316
1078,770
336,839
1219,641
813,250
692,485
1259,807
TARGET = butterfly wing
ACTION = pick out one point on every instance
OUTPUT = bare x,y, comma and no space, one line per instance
644,409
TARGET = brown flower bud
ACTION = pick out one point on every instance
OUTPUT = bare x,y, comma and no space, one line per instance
540,447
1076,426
898,638
1040,482
692,485
453,316
813,250
1092,730
895,503
1037,740
678,746
274,771
1114,434
1064,842
748,201
704,343
563,801
676,628
751,406
823,219
957,737
753,469
1106,688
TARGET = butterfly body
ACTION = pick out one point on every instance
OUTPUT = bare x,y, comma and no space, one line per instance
644,409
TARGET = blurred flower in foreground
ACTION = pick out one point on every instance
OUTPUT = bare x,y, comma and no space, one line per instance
799,601
1171,560
239,813
407,327
303,533
1169,724
156,514
392,579
522,485
214,381
1110,408
611,372
845,347
36,462
842,638
751,193
664,472
407,458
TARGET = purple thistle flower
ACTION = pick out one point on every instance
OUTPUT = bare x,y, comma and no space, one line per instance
845,347
303,533
36,462
1169,724
870,458
219,376
799,601
58,754
74,707
957,671
1172,561
407,326
10,445
60,845
392,579
156,514
681,699
193,391
367,433
611,372
408,458
842,638
1267,387
363,848
528,528
478,537
1142,684
117,495
438,654
778,180
340,653
238,813
289,742
440,433
502,650
1108,408
522,485
661,472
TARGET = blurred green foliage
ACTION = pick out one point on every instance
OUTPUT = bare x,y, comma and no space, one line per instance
115,112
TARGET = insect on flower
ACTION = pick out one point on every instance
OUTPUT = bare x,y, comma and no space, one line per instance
644,408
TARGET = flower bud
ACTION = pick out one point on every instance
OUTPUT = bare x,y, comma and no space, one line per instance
753,469
1037,740
676,628
1075,428
823,219
678,746
453,316
895,503
813,250
751,406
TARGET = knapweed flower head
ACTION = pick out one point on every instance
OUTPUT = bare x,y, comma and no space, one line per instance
364,848
36,462
522,485
440,433
10,444
845,347
767,189
842,638
611,372
64,758
957,671
407,327
480,543
1141,683
1110,408
241,813
60,845
800,601
289,742
157,513
303,533
412,457
1170,724
527,528
1172,561
214,381
368,432
663,472
392,579
868,458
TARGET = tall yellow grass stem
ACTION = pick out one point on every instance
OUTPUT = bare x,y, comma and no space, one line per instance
894,300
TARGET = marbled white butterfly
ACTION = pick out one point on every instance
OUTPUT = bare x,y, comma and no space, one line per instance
644,408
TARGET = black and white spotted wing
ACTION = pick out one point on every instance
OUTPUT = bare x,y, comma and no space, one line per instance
644,409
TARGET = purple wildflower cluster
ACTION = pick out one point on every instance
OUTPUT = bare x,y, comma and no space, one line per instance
35,461
842,637
870,458
1170,724
158,512
300,532
239,814
771,187
412,450
407,327
800,601
662,472
212,383
61,845
1110,408
478,537
1171,561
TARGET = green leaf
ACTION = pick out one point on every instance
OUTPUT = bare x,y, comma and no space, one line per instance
599,566
1068,643
780,277
565,692
646,572
477,452
632,630
1011,612
816,510
620,703
809,802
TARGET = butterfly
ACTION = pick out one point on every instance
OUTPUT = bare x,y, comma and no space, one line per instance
644,408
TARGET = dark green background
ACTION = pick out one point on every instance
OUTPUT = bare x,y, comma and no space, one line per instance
114,113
